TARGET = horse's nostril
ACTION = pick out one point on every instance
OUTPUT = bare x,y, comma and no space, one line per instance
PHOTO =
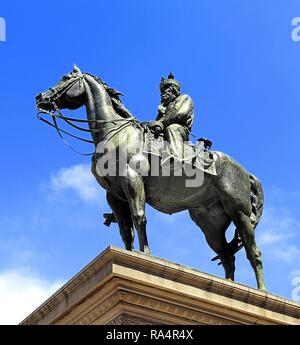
39,96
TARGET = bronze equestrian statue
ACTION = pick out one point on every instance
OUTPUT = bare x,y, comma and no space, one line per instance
231,194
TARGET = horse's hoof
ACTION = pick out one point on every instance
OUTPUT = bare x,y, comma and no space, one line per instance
263,289
147,250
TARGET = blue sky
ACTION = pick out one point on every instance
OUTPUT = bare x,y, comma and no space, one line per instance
235,58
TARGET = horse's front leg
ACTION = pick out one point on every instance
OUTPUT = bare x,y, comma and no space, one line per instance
133,187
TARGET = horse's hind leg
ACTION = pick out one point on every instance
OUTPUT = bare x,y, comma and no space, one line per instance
246,231
122,213
214,228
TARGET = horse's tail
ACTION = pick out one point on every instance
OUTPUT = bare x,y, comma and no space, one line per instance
257,201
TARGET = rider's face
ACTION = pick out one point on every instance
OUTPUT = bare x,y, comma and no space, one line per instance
167,94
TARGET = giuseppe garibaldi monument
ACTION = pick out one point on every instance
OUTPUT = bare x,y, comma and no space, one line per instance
154,163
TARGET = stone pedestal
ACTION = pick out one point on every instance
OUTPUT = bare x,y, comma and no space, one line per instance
121,287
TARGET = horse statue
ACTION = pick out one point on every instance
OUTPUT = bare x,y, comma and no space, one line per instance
230,195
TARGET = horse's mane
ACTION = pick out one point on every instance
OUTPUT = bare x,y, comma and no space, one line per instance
113,94
111,91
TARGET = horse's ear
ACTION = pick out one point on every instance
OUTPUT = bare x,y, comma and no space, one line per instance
76,68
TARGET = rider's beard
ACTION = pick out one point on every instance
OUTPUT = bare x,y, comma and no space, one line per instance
166,97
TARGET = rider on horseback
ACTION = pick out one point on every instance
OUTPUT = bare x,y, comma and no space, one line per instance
175,116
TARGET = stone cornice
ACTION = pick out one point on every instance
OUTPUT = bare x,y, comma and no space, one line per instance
109,265
171,309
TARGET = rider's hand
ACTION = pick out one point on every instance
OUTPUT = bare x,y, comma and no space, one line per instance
161,109
156,126
156,129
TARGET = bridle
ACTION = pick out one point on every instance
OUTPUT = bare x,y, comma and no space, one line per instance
57,114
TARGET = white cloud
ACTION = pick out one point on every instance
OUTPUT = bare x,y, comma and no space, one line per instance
21,292
277,235
286,252
77,178
270,237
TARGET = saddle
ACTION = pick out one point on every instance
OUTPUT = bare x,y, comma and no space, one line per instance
198,156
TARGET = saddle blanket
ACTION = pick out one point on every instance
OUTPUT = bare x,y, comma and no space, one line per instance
195,155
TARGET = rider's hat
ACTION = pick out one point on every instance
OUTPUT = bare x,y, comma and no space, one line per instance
169,81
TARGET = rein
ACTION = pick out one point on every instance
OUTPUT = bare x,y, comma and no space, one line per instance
70,120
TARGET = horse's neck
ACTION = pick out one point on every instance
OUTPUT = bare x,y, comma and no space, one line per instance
99,107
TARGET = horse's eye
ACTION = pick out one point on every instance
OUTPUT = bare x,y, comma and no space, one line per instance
65,78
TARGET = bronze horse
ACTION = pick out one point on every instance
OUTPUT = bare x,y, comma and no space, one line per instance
232,195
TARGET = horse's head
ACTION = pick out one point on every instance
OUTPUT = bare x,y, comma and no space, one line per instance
68,93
